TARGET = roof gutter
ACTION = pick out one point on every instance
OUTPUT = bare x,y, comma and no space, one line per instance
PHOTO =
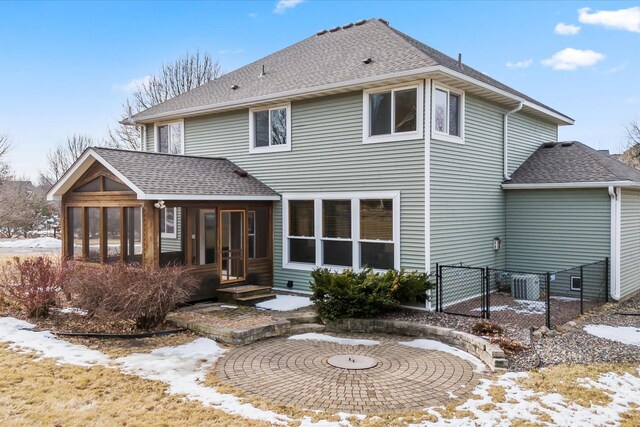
341,86
505,140
616,199
567,185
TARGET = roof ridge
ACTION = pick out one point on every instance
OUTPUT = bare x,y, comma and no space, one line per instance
403,37
601,158
156,153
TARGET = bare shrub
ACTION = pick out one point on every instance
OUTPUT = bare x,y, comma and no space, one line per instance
142,294
486,328
33,284
508,345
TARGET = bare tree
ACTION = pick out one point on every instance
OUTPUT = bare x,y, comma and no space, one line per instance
23,208
178,77
5,147
61,157
631,156
184,74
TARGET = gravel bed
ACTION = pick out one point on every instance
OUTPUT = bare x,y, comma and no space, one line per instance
571,346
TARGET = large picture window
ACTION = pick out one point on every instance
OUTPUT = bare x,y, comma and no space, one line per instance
393,114
340,230
270,129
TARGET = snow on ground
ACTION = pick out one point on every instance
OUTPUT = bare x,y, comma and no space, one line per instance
40,242
22,336
523,307
440,346
183,367
329,338
71,310
623,334
285,303
528,405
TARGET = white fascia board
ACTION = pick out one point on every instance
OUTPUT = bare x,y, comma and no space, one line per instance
417,73
79,167
550,186
205,197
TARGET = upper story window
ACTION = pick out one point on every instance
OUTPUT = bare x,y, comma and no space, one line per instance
170,137
447,114
393,113
270,129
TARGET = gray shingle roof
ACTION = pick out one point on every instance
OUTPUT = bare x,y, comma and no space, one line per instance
571,161
332,57
173,175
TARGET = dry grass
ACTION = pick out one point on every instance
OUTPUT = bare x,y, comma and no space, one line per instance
43,393
124,347
563,379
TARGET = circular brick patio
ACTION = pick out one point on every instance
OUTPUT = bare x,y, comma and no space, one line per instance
296,373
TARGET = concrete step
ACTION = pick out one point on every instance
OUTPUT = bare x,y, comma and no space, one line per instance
303,317
305,328
233,293
254,299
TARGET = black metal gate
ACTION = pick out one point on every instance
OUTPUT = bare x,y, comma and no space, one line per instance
462,290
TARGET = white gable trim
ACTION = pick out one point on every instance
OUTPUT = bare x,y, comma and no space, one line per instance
78,168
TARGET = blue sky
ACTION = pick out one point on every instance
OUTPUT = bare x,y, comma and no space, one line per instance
66,66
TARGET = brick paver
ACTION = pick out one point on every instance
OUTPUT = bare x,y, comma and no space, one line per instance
296,373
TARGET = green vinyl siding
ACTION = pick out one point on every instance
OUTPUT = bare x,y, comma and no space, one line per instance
468,207
467,201
629,243
327,155
526,134
550,230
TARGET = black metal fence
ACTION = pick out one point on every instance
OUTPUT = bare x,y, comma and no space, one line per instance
520,297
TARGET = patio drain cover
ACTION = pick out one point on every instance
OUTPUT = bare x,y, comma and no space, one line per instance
352,361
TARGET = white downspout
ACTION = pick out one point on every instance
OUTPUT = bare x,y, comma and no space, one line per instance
615,243
505,137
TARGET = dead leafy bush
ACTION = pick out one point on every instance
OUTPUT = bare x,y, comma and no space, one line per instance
486,328
33,284
508,345
129,292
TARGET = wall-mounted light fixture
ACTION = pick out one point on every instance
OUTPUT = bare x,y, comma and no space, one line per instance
159,204
497,244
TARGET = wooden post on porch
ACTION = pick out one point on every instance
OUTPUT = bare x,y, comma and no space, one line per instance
151,235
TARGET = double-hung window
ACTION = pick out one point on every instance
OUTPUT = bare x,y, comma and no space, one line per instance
270,129
170,137
447,114
342,230
393,114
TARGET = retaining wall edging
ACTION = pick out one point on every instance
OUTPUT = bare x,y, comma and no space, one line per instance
491,354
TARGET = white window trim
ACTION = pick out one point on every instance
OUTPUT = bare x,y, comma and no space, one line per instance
440,136
393,136
173,235
252,136
571,283
355,227
156,134
143,138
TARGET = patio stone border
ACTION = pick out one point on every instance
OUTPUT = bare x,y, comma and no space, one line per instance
244,336
491,354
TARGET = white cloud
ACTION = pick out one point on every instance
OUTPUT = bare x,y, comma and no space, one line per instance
519,64
570,59
567,29
623,19
283,5
133,85
253,15
620,67
632,100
